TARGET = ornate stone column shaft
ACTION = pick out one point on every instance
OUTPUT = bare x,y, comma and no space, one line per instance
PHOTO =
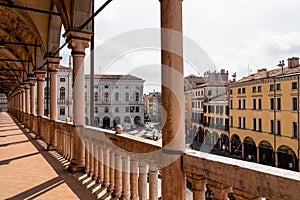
40,76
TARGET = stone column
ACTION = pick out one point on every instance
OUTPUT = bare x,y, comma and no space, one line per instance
106,167
257,154
118,175
199,189
153,182
53,64
125,177
111,171
40,77
32,81
134,178
243,150
27,97
143,181
78,41
173,133
100,165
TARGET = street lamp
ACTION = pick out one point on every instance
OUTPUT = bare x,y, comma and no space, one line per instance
281,64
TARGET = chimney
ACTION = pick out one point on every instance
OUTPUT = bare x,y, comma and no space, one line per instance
222,71
293,62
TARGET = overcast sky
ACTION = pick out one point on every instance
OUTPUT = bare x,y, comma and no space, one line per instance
238,35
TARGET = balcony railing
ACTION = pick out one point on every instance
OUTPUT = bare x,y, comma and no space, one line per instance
129,167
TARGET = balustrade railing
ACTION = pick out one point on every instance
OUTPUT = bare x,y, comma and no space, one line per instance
121,163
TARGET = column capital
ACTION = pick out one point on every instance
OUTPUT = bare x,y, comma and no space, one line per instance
40,75
26,85
32,80
53,62
22,87
78,41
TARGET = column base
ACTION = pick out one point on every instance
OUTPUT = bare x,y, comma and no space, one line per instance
76,168
51,147
38,137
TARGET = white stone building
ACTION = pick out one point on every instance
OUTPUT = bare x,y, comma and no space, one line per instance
118,100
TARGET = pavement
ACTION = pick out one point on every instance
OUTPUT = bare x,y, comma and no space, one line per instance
28,171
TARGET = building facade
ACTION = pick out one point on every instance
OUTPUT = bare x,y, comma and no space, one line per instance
118,100
153,106
264,116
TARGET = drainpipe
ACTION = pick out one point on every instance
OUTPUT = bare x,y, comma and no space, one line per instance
298,120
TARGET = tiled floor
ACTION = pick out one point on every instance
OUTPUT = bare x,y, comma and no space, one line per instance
27,171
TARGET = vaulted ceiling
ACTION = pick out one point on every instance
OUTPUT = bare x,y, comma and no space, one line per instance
30,30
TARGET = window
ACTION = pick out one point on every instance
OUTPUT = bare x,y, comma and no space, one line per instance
272,87
106,86
117,87
212,109
294,85
295,103
259,104
230,91
62,92
209,92
132,109
272,103
254,104
227,110
85,86
244,122
240,121
62,111
278,127
126,87
240,103
221,110
239,91
278,103
217,109
137,87
259,88
272,126
209,109
243,90
96,96
295,130
231,104
259,125
117,96
244,103
278,86
254,124
137,96
126,96
106,97
205,109
96,109
254,89
106,109
96,86
137,109
62,79
231,121
117,110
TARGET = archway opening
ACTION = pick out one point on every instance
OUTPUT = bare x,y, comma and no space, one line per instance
266,153
106,122
236,146
137,120
287,158
250,152
117,121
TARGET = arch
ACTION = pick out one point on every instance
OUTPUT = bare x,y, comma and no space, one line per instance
137,120
287,158
127,119
106,122
207,138
116,120
236,145
266,153
62,93
250,152
96,121
224,142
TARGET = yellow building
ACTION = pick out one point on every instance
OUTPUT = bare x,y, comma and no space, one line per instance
265,117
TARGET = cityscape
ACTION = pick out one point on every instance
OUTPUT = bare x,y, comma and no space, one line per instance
172,100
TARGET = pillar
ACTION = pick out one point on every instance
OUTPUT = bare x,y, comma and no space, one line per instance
243,150
40,77
276,159
32,81
27,97
257,154
134,179
118,175
78,41
199,189
106,167
172,100
53,64
143,181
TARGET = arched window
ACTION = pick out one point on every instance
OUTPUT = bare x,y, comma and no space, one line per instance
126,96
96,109
62,92
96,96
137,96
117,96
106,109
106,96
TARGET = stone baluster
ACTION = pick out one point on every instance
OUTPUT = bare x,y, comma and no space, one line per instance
153,182
134,170
87,157
142,181
91,157
198,186
118,175
106,172
112,171
125,177
100,165
95,160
